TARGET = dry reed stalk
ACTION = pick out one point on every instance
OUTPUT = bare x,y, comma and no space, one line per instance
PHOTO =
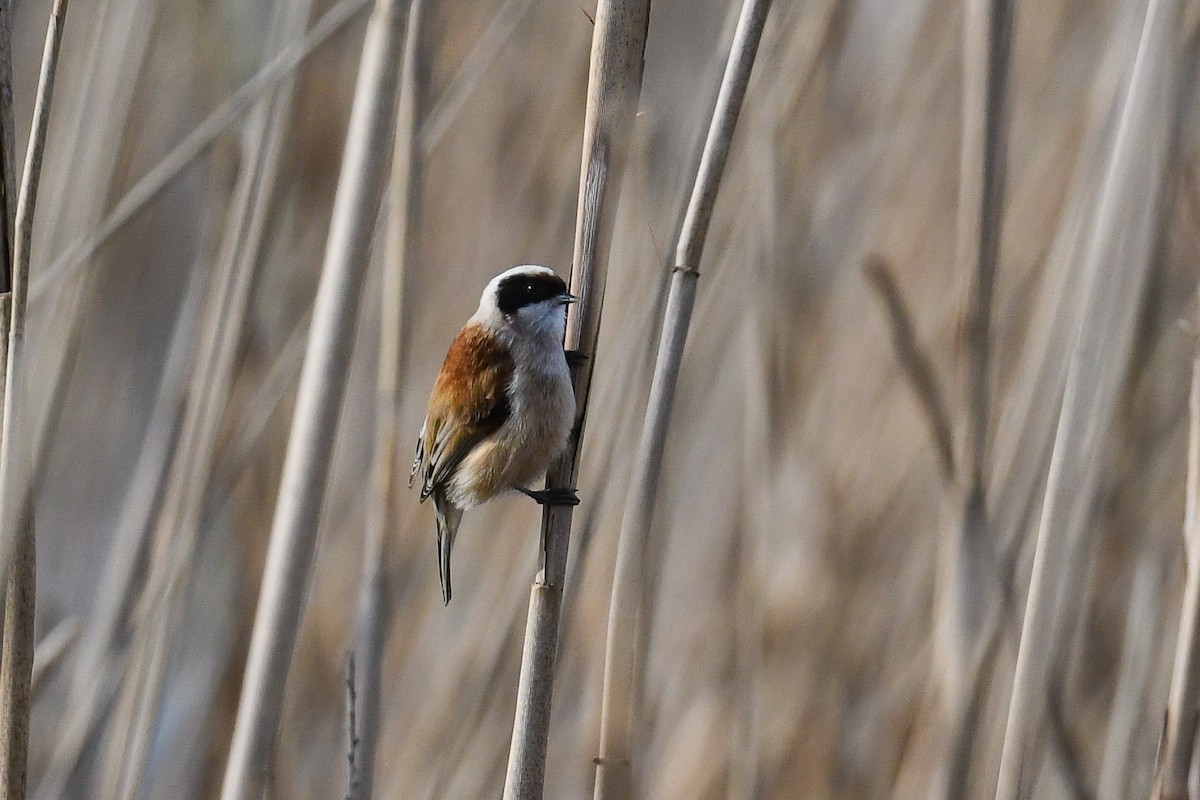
373,615
106,98
1025,433
969,579
177,529
105,107
505,22
8,199
745,781
1142,630
1183,703
614,88
8,168
623,663
18,559
92,136
96,672
280,68
968,570
322,389
129,738
1122,241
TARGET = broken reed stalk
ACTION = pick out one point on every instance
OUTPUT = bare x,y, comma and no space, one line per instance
1119,254
17,552
914,361
1183,703
373,606
318,404
624,658
614,87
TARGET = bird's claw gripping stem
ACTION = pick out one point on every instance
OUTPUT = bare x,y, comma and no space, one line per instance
552,497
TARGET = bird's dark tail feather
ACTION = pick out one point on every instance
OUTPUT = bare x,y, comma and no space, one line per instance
448,516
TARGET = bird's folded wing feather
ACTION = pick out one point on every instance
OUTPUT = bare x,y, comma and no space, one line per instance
470,401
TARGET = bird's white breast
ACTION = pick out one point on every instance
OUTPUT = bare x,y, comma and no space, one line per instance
536,431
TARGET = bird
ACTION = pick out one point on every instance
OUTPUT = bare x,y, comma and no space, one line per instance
503,406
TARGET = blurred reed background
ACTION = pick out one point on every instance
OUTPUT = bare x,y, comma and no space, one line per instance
803,640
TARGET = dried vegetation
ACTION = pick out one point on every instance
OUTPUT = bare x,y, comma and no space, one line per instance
812,626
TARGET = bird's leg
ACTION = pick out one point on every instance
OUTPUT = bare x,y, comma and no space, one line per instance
575,358
551,497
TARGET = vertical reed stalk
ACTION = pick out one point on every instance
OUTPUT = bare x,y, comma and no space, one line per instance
970,593
373,612
624,658
614,87
1123,746
1119,255
318,405
8,169
971,565
1183,703
16,505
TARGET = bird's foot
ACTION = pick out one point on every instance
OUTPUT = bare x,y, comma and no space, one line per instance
575,358
551,497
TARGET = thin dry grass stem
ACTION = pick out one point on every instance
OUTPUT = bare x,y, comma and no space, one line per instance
176,532
282,66
1025,434
322,390
129,736
505,22
1183,703
969,577
92,136
95,674
614,89
8,199
1119,255
987,46
275,386
8,160
353,768
17,547
107,96
624,659
758,461
373,607
1122,749
52,648
914,362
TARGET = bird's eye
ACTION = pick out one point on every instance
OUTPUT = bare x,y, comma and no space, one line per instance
530,289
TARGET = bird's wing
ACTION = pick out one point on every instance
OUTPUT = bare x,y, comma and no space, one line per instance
469,402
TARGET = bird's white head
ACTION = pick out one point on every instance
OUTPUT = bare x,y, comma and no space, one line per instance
528,299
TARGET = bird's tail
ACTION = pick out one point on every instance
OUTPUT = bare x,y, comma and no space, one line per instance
448,516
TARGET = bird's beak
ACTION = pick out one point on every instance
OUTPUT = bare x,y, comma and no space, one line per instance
566,298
